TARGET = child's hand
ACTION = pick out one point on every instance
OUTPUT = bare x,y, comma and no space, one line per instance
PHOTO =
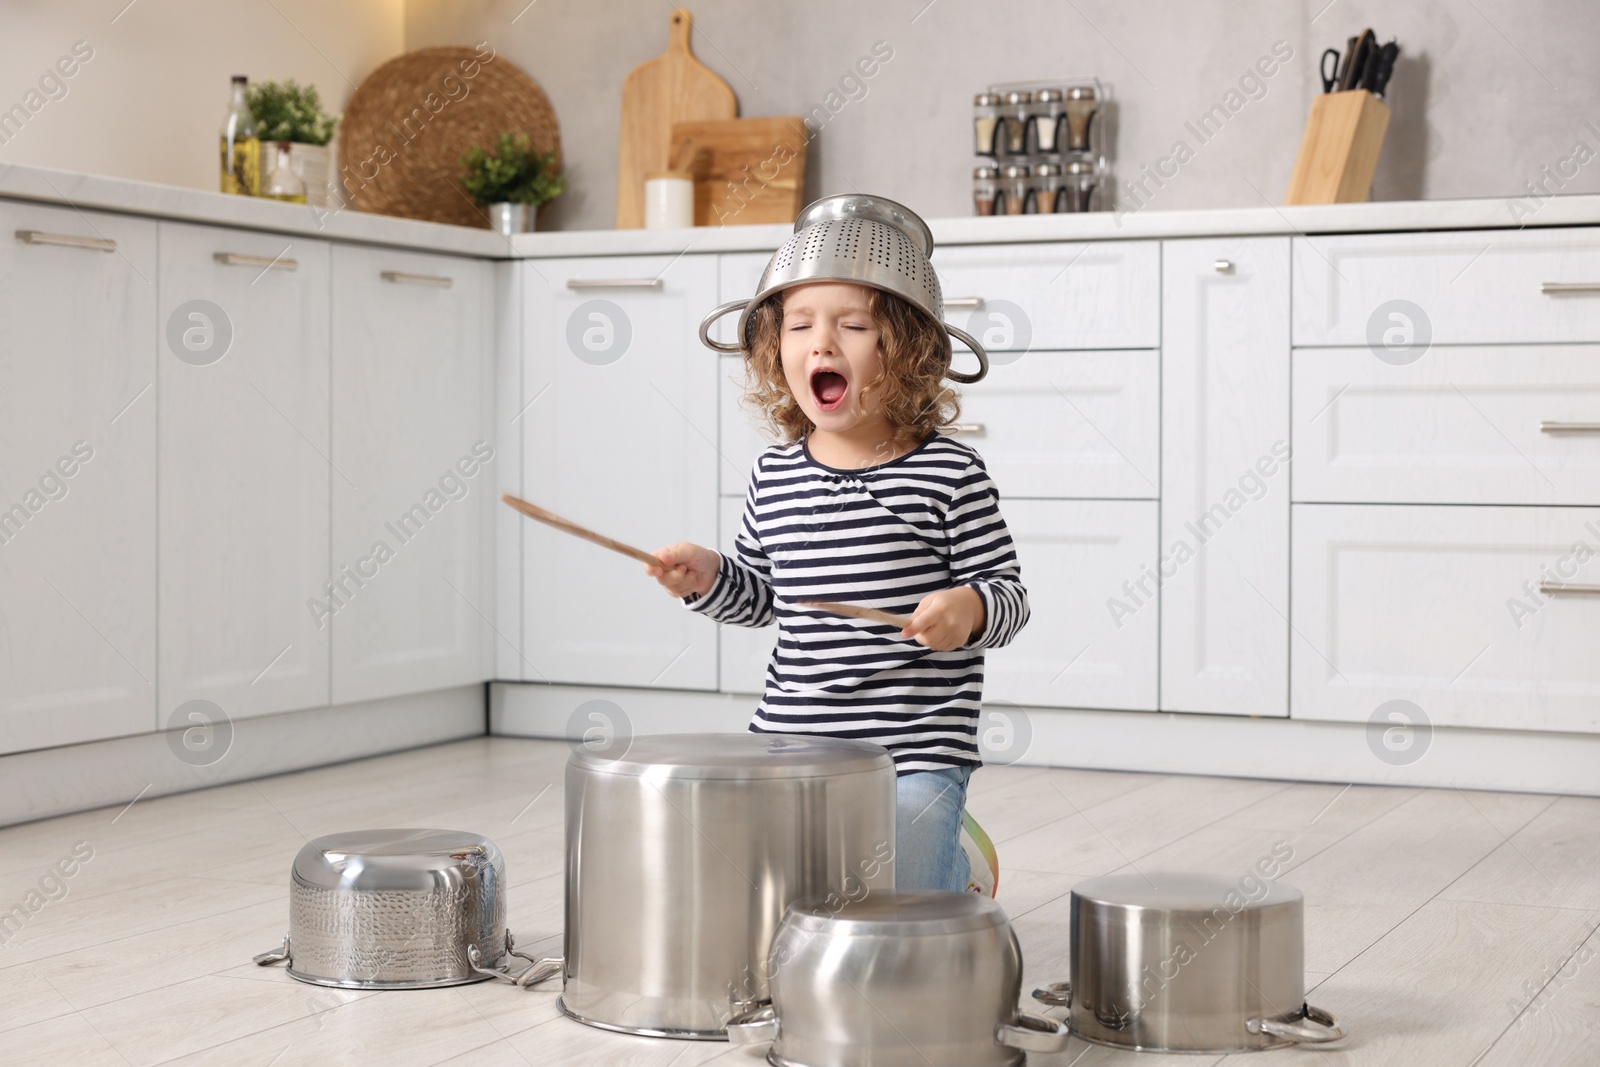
686,569
947,619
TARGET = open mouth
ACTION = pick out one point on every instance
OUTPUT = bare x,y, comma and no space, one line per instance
828,389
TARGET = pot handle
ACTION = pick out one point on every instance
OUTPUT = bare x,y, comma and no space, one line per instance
277,955
717,313
535,972
758,1026
1056,994
1033,1033
1300,1033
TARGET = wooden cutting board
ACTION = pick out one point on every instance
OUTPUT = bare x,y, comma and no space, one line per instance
673,87
746,171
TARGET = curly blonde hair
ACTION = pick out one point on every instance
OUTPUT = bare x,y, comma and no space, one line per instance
914,397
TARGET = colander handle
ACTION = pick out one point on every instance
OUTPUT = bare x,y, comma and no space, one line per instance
717,313
971,342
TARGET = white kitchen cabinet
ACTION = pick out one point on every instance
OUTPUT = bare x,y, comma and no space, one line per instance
1068,424
741,436
1397,291
1019,297
619,435
413,604
244,470
738,275
743,651
77,476
1479,424
1091,638
1453,609
1224,567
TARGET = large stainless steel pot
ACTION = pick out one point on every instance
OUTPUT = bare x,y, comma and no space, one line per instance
400,909
897,980
1189,963
683,853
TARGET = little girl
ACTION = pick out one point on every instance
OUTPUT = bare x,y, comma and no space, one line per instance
866,503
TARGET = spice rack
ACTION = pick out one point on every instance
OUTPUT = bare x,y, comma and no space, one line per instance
1040,147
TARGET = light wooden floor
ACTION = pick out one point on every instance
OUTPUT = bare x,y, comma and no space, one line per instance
1443,927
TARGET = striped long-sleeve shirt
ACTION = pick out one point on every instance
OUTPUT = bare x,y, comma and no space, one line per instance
882,537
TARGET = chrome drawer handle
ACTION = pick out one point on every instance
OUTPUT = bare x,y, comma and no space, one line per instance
964,303
1569,427
66,240
400,277
239,259
1558,588
964,427
613,283
1558,288
1223,266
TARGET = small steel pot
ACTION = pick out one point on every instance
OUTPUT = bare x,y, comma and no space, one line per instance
400,909
1189,963
897,980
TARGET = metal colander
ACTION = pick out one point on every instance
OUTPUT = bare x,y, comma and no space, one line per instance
866,240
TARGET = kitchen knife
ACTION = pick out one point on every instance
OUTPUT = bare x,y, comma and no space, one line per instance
1366,46
1343,80
1385,67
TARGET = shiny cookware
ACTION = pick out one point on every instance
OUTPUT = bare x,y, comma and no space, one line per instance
683,852
400,909
897,980
1189,963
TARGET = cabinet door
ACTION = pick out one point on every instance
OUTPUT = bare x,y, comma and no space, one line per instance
77,477
244,470
1091,636
412,536
744,651
620,436
1224,567
1477,616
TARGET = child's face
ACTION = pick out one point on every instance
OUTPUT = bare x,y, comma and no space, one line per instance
829,346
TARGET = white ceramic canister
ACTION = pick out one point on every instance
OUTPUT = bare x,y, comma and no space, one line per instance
668,199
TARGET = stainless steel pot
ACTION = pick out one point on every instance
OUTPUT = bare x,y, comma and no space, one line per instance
400,909
897,980
1189,963
682,855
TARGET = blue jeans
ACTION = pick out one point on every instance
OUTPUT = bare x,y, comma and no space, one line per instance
929,806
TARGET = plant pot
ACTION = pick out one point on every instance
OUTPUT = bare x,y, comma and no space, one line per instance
314,164
509,219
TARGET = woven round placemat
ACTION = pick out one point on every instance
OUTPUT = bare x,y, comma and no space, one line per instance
407,126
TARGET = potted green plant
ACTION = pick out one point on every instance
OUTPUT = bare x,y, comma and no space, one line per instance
294,132
512,181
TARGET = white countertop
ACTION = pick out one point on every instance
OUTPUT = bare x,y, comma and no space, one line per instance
91,192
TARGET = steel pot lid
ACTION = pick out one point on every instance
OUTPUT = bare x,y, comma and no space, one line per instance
733,756
404,859
898,915
1180,892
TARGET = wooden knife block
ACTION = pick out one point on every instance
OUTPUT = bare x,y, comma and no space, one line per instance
1340,149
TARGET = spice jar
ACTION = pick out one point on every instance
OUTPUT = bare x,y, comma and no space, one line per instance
1014,187
1079,183
1015,114
985,122
1080,108
1046,188
1046,120
985,188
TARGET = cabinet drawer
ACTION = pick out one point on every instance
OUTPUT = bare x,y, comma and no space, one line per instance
1454,609
1478,425
1105,294
1068,424
1048,425
1477,287
1088,642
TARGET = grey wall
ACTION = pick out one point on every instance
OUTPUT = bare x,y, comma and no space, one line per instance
1488,92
